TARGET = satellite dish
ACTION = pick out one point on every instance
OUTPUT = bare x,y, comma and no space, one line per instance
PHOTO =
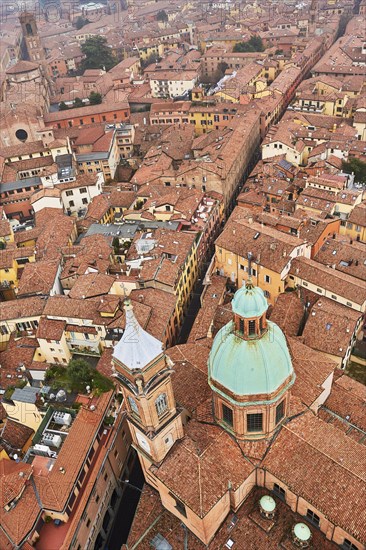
15,457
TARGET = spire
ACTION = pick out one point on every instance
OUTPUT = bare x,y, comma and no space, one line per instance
137,348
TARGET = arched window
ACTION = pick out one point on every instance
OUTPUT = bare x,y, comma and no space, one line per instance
133,405
29,29
161,404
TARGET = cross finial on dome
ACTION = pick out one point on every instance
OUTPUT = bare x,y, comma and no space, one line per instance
249,283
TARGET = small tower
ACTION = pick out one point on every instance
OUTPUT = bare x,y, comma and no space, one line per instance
313,16
250,369
144,372
32,46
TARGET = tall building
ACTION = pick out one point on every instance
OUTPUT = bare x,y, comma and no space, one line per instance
144,372
32,45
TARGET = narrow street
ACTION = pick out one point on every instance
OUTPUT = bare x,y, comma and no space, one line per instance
126,511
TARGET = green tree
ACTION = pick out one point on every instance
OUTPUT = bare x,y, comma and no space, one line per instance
80,374
78,102
257,43
116,245
95,98
162,16
243,47
254,44
76,376
357,166
81,22
97,54
62,106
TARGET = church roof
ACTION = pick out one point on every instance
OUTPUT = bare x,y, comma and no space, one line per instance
197,469
250,367
22,67
137,348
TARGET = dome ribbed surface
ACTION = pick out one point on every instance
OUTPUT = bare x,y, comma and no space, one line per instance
249,301
250,367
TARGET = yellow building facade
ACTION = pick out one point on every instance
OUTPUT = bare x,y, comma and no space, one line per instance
236,268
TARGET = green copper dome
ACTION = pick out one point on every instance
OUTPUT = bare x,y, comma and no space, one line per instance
249,301
249,367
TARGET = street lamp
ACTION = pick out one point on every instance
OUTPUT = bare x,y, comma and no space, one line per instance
127,482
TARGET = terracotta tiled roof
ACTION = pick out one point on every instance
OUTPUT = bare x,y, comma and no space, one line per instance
345,285
22,67
273,247
190,375
288,313
328,455
50,329
18,309
212,297
5,228
162,306
22,149
38,278
55,487
312,369
348,400
91,285
151,519
15,435
193,469
358,215
18,522
330,327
